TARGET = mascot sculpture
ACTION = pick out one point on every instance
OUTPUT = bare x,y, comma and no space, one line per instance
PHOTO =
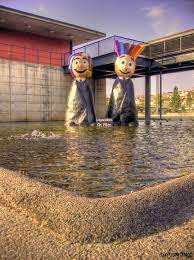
80,107
122,108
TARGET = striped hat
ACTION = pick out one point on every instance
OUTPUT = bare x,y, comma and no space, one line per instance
125,48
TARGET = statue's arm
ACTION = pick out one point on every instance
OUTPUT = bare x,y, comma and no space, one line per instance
132,97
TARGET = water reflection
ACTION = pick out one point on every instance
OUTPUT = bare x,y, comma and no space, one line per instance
98,161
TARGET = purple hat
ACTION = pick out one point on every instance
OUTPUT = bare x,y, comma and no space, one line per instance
122,48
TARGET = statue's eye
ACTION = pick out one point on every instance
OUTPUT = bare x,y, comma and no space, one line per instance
85,62
76,62
123,62
130,64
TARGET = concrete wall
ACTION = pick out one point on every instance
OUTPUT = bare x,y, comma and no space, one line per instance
33,92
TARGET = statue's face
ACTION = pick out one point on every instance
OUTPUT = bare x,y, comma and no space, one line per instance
124,66
80,67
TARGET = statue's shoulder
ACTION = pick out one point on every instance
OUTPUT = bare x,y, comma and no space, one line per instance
130,83
73,89
90,84
116,83
74,82
117,80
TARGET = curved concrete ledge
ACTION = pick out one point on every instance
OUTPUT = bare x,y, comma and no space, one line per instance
78,219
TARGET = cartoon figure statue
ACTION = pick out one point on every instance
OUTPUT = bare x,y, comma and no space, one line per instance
80,107
122,107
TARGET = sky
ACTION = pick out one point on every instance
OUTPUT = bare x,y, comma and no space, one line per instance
139,19
142,20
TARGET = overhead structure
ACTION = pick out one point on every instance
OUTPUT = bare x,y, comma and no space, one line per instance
168,54
104,56
174,52
30,23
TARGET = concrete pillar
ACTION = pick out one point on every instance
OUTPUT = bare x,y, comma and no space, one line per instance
100,98
160,110
147,99
157,94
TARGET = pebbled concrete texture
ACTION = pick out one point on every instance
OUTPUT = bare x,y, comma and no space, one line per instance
40,221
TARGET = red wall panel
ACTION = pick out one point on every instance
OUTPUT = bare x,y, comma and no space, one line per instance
29,47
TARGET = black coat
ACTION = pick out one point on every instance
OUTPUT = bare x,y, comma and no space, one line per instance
80,107
122,108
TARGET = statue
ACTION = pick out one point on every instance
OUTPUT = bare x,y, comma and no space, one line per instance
122,108
80,107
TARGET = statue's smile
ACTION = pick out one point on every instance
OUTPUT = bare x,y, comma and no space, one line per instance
125,72
80,71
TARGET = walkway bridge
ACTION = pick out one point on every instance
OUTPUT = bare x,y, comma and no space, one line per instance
103,55
168,54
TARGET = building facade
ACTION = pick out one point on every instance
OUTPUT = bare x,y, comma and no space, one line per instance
33,50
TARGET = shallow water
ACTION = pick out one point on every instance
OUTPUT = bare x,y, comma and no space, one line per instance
98,162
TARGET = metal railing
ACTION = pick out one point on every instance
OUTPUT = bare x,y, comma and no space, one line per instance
158,50
165,48
104,46
170,47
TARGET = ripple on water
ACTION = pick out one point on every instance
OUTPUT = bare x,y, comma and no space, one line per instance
98,162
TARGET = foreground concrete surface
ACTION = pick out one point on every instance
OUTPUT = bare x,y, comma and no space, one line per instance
41,222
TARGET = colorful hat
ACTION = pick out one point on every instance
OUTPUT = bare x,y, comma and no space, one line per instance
124,48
